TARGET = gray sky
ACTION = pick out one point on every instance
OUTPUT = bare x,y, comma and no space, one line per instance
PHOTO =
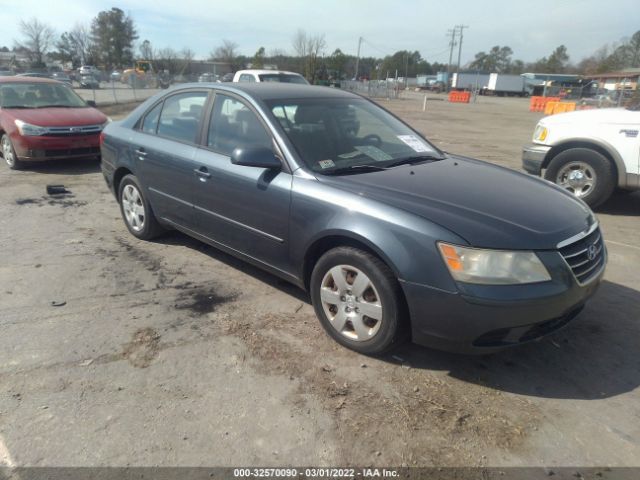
532,28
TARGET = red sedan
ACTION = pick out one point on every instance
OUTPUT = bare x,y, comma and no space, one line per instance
43,119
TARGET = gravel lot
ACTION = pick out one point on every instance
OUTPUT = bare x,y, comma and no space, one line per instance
172,353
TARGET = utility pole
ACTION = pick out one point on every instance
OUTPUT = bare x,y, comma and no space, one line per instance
358,58
452,44
461,27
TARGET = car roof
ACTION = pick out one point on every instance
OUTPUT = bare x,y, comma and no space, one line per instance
276,91
273,72
17,79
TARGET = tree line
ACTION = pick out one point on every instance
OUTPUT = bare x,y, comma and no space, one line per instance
618,56
109,41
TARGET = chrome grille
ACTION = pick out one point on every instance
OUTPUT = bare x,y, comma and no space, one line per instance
72,130
586,256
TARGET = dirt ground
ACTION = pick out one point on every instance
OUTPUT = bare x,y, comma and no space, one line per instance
120,352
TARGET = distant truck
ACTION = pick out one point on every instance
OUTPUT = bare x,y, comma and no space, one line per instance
469,81
501,85
143,75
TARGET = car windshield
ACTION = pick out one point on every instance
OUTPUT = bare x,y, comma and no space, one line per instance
282,78
38,95
336,136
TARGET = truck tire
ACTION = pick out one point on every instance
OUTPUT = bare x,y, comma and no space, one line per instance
586,173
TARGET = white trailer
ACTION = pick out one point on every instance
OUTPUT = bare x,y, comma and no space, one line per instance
469,81
501,84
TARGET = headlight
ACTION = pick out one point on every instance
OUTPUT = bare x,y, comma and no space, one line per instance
540,133
28,129
493,267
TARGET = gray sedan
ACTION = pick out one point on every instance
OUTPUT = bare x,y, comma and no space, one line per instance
393,238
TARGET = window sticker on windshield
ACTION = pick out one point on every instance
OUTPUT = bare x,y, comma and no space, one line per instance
374,152
326,164
415,143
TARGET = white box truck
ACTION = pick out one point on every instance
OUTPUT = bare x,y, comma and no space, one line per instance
501,84
469,81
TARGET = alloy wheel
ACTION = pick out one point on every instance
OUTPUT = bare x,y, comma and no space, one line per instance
7,151
133,207
577,177
351,303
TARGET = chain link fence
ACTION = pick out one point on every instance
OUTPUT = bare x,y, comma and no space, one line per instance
373,88
109,93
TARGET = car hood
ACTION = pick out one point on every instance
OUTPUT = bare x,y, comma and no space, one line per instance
603,115
487,205
59,117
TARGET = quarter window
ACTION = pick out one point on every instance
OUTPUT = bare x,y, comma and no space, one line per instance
234,125
181,115
150,123
245,77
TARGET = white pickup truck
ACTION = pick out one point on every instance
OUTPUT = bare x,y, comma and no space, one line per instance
588,152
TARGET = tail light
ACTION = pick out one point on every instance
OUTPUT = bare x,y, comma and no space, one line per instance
101,138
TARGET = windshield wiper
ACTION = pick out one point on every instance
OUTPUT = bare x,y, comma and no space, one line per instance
413,159
15,106
355,169
55,106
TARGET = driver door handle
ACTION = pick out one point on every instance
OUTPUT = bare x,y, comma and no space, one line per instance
203,173
141,153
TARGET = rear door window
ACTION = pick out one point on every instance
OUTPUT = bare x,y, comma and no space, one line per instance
181,116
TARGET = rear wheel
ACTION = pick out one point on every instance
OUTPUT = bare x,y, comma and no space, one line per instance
585,173
136,210
358,300
9,153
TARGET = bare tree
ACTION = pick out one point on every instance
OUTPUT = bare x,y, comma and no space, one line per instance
300,43
308,47
227,52
186,57
85,48
38,38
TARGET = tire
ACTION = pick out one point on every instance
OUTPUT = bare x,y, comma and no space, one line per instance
136,211
9,153
345,320
587,174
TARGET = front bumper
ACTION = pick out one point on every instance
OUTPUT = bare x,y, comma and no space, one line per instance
42,148
533,157
479,319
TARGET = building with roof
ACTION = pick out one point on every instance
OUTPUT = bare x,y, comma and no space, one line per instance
623,80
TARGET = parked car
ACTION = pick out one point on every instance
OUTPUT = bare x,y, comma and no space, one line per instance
34,75
115,76
392,237
88,80
208,77
589,152
269,76
42,119
227,77
61,77
88,69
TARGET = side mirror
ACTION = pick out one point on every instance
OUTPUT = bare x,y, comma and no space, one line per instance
91,103
262,157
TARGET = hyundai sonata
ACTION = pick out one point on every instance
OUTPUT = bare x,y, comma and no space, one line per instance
393,238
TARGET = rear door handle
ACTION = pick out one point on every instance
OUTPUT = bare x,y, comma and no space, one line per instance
141,153
203,173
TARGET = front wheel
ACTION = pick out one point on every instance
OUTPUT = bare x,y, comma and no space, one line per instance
9,153
585,173
136,210
358,300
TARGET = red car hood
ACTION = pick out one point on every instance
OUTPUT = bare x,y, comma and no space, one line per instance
58,117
